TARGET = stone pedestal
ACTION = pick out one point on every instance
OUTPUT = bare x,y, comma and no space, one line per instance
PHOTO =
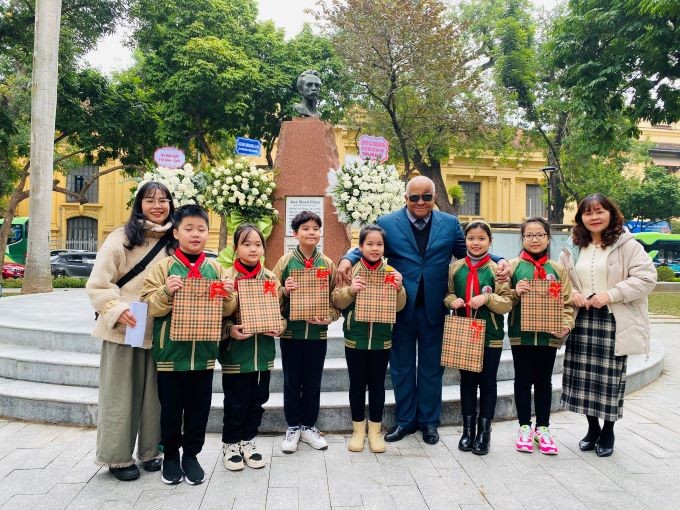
306,151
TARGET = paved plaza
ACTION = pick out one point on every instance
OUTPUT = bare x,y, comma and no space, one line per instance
51,466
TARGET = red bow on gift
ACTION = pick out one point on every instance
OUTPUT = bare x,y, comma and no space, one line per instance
554,290
322,273
217,290
270,287
389,279
476,328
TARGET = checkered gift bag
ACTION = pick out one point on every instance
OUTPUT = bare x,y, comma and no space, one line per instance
543,307
378,301
463,343
311,298
197,311
259,305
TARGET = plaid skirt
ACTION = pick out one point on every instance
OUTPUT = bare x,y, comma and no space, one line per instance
594,378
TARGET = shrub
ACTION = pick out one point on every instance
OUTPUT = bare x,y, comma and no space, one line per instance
60,282
665,274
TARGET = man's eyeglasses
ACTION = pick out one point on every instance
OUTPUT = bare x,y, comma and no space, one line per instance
426,197
529,237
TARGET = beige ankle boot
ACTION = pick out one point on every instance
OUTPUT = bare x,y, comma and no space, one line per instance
375,439
356,442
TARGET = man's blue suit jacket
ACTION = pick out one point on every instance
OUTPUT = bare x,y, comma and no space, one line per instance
446,240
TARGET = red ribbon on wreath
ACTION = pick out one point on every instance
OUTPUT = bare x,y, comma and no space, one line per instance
554,290
217,290
389,279
476,328
270,287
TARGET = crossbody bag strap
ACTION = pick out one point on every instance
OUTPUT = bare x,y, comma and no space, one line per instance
141,265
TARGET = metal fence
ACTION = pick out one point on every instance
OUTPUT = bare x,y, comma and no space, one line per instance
91,244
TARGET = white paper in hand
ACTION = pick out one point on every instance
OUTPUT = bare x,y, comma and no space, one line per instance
135,336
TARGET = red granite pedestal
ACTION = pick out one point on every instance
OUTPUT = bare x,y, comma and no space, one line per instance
306,151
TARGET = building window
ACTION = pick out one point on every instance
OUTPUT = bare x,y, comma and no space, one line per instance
535,203
76,179
81,233
472,192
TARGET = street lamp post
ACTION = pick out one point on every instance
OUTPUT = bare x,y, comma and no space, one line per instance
548,171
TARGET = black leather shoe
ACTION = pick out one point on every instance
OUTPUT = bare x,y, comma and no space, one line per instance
602,451
465,443
152,465
586,445
430,434
480,446
125,474
397,433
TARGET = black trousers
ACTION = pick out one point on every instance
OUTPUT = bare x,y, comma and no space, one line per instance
533,366
302,362
185,405
244,396
367,369
485,381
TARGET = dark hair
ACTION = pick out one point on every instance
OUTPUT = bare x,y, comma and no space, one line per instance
243,232
365,230
135,228
478,224
581,235
536,219
189,211
304,217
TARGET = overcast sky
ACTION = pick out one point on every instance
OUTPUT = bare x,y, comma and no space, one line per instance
112,55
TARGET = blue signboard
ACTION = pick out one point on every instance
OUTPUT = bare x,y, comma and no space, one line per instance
248,147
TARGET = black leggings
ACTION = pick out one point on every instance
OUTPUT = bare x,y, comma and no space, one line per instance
367,368
486,381
533,366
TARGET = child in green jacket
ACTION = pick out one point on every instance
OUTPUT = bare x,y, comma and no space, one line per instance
185,368
367,344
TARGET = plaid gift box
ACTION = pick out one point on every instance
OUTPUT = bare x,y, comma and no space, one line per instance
543,307
463,343
378,301
311,298
196,315
259,305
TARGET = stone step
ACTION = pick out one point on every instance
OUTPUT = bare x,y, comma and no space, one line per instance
57,403
82,369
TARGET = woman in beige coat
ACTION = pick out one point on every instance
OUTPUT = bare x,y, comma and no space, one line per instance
129,411
611,276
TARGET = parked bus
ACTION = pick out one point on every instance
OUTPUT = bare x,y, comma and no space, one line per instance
17,242
664,249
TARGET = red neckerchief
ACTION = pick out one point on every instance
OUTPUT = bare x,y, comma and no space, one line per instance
539,270
246,274
368,265
193,268
472,283
309,263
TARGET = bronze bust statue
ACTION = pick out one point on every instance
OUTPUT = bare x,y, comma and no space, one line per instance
309,86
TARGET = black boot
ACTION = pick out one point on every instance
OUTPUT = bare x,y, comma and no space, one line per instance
466,440
480,446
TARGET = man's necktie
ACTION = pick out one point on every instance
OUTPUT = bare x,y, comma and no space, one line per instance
420,223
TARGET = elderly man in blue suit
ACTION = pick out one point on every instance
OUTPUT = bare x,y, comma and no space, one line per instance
419,243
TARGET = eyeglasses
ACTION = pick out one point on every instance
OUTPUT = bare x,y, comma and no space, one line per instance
160,201
426,197
529,237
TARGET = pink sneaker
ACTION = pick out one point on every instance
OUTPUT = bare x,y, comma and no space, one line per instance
525,439
545,441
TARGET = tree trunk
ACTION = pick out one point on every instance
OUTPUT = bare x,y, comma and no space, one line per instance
222,243
18,195
43,110
434,172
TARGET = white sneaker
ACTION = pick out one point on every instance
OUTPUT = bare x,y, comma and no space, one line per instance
250,455
313,438
231,456
290,442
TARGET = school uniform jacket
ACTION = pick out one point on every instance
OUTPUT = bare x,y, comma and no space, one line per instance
524,270
303,330
498,300
364,335
181,356
254,354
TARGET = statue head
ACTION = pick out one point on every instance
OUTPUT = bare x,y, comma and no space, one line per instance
309,84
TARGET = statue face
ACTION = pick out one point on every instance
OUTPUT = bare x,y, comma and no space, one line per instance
311,86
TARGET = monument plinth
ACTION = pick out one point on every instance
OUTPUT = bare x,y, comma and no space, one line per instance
306,151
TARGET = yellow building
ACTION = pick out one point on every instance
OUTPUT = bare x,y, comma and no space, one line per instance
494,191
